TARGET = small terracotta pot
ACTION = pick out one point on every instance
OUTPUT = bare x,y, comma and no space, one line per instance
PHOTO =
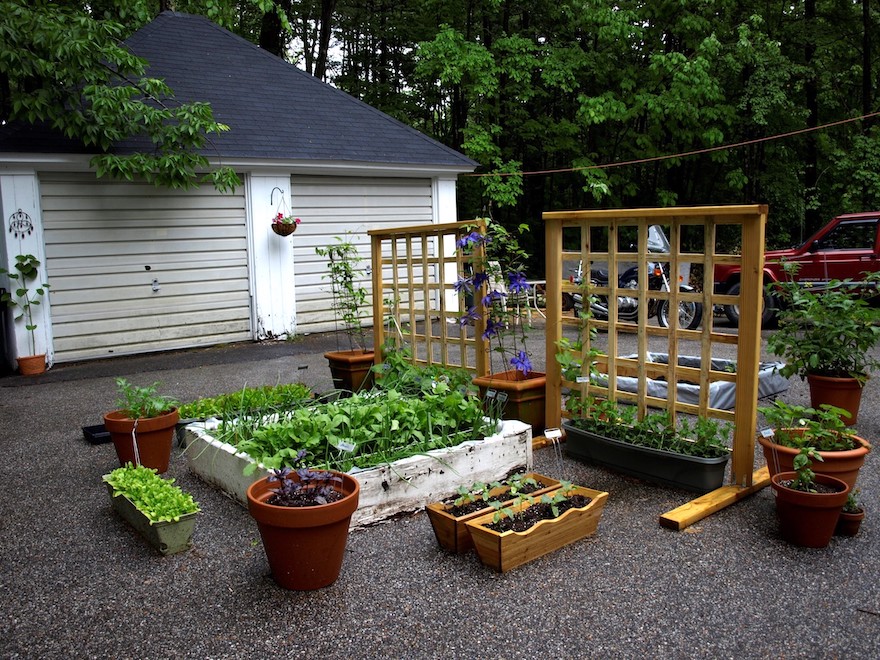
843,393
844,465
31,365
305,546
153,435
808,519
849,523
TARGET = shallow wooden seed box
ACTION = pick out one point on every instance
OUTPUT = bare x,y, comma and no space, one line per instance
507,550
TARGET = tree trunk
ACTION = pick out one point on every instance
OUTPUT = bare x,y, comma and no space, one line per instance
327,9
271,36
811,91
866,58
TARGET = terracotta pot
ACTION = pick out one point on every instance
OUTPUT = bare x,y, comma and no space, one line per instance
31,365
848,524
451,531
808,519
506,550
351,370
153,436
525,395
305,546
843,393
284,228
844,465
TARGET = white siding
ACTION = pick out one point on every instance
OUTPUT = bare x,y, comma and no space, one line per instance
328,207
107,241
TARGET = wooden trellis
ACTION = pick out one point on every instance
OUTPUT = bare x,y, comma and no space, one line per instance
578,236
414,271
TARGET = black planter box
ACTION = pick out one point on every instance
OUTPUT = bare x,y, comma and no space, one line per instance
96,435
692,473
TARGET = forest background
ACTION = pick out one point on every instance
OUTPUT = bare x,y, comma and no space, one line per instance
563,89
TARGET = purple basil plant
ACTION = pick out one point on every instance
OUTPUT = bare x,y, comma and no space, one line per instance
312,488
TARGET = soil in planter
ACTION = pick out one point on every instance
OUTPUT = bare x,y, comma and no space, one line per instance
530,517
817,487
304,499
477,505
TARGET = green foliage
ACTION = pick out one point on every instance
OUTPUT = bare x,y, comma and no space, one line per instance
138,402
366,429
63,67
157,498
705,438
798,426
24,299
852,502
398,372
826,332
247,401
349,295
803,466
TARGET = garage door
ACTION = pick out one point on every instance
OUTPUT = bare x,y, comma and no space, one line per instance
330,206
135,268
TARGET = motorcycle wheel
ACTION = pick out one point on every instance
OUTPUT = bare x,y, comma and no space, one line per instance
690,314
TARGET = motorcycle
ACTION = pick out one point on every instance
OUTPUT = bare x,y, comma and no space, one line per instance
690,314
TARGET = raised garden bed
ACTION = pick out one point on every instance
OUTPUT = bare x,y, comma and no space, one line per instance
405,485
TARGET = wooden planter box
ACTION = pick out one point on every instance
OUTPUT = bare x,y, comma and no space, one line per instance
452,533
167,537
405,485
507,550
692,473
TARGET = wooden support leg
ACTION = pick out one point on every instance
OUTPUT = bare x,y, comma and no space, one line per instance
688,514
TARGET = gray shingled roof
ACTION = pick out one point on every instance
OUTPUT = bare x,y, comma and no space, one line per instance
274,110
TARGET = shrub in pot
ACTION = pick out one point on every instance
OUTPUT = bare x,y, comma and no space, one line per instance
808,505
824,336
24,299
303,517
794,427
142,428
351,367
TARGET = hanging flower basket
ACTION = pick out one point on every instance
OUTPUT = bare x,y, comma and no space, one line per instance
284,228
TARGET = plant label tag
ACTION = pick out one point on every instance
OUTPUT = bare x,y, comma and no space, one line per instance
501,397
582,379
552,434
766,433
346,446
490,395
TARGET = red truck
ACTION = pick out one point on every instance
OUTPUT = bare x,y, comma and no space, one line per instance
845,248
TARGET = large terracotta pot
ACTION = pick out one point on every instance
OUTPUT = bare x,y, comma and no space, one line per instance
808,519
525,395
844,465
153,436
305,546
843,393
351,370
31,365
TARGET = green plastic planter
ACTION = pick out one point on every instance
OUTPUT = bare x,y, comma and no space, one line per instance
166,537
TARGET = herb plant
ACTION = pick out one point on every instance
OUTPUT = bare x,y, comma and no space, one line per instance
27,266
157,498
803,466
142,402
852,502
247,401
309,488
798,426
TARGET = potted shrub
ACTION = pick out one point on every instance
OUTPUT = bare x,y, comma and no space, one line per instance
449,518
499,289
808,505
851,516
160,511
825,336
142,428
351,367
530,527
303,517
25,299
794,427
654,448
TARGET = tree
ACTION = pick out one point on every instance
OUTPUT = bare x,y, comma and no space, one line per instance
64,68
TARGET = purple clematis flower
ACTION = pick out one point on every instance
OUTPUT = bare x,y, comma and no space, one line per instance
518,283
480,278
521,362
471,316
463,284
492,297
474,238
493,327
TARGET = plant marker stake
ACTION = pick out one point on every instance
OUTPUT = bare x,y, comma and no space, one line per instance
134,443
554,435
768,433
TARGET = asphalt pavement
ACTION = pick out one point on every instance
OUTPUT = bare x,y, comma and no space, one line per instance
75,581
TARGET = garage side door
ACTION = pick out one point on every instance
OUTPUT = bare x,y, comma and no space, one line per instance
135,268
329,206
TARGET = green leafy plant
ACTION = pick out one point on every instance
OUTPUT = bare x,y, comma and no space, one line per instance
852,502
26,299
798,426
398,372
825,331
803,466
343,263
157,498
248,400
142,401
